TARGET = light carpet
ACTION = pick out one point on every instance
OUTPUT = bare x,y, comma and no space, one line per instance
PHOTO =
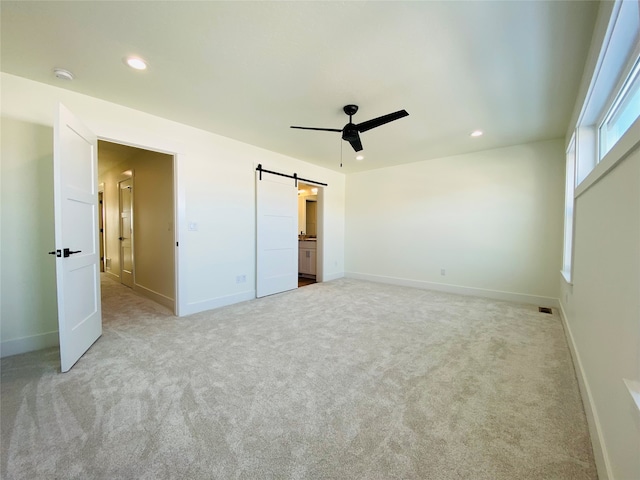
339,380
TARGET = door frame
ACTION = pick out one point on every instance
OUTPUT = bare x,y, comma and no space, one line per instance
102,222
179,212
127,176
320,213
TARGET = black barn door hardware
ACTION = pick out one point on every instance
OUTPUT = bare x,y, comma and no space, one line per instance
294,176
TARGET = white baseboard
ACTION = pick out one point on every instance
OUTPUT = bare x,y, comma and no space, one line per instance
155,296
196,307
460,290
29,344
333,276
593,421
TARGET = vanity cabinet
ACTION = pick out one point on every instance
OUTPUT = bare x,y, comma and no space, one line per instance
307,257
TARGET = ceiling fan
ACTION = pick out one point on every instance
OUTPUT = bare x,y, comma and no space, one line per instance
351,132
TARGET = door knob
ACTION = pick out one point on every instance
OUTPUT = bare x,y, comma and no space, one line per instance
120,238
57,253
67,252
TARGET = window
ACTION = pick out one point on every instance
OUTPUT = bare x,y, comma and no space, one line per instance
612,102
567,254
624,111
610,106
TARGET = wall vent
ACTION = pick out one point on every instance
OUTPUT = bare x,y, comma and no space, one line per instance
545,310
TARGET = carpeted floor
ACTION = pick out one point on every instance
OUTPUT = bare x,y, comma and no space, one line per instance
339,380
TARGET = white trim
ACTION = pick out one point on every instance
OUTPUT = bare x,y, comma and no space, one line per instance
601,36
197,307
460,290
634,390
567,276
29,344
629,80
333,276
179,216
593,421
621,150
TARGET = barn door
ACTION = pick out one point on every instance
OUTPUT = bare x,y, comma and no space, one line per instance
277,234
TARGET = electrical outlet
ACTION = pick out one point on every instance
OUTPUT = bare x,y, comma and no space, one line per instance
241,279
443,272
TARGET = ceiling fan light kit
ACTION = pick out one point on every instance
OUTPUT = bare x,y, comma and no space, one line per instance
351,132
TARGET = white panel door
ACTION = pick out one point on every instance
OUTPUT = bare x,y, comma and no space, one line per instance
75,165
125,188
277,234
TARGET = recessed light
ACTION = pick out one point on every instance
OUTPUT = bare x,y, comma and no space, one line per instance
477,133
136,63
359,157
63,74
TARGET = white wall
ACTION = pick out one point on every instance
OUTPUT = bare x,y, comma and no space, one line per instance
491,219
601,310
215,187
28,306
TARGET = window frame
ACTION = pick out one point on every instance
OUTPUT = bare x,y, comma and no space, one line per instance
614,63
569,211
627,83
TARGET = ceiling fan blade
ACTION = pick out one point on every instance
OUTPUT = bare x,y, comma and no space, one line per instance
322,129
355,142
376,122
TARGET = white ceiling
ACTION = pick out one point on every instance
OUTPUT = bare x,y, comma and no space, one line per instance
249,70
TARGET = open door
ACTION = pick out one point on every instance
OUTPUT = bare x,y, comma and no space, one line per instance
277,234
75,164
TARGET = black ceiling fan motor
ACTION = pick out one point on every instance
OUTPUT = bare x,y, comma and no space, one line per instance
351,132
350,110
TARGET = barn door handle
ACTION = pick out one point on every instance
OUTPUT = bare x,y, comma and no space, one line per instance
67,252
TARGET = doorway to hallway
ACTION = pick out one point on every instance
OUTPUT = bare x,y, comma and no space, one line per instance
139,217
